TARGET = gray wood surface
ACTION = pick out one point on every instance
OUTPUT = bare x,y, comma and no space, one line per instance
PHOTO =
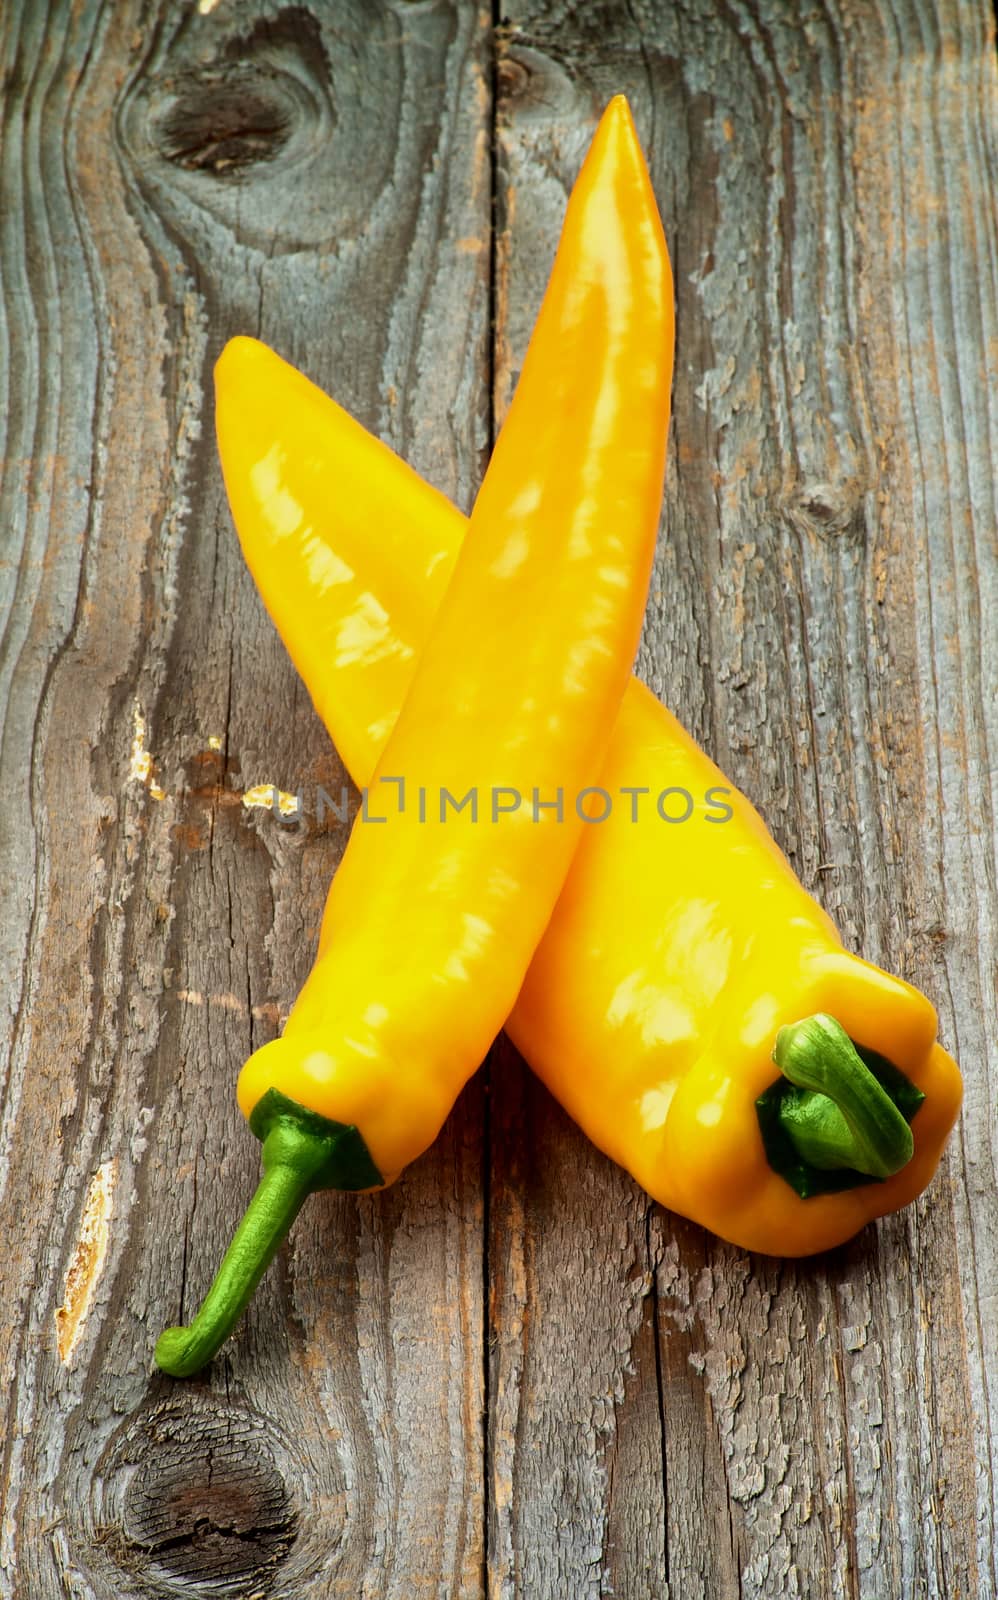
510,1375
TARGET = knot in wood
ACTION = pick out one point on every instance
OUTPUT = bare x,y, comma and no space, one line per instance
205,1505
830,511
512,77
261,94
220,125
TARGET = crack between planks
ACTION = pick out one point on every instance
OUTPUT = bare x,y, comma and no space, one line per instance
491,363
656,1330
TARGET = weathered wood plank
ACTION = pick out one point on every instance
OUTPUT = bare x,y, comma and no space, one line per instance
319,176
665,1415
820,620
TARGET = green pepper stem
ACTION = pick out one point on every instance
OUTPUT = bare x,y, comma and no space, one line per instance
293,1163
848,1120
302,1151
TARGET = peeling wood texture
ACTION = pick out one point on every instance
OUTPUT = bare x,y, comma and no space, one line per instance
510,1375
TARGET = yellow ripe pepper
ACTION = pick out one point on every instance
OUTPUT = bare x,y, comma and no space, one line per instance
679,949
434,914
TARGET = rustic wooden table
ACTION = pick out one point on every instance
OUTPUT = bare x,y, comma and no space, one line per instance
511,1374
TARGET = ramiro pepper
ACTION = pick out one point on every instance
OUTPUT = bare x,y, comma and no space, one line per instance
432,916
679,949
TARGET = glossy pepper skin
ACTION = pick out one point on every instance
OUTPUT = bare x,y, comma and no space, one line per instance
677,950
433,916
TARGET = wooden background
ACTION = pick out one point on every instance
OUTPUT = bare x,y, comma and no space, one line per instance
511,1374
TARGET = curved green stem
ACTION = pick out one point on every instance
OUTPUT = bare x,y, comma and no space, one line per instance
280,1195
302,1152
847,1120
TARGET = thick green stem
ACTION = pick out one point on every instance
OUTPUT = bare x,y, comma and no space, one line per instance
847,1120
302,1152
280,1195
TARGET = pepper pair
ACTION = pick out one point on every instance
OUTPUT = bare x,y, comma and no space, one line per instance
682,956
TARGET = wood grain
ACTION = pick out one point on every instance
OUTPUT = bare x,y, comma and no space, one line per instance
511,1374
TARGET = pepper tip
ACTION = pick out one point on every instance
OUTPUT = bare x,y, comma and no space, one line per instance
617,114
239,352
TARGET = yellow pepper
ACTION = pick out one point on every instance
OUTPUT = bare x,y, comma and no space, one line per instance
679,949
434,914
